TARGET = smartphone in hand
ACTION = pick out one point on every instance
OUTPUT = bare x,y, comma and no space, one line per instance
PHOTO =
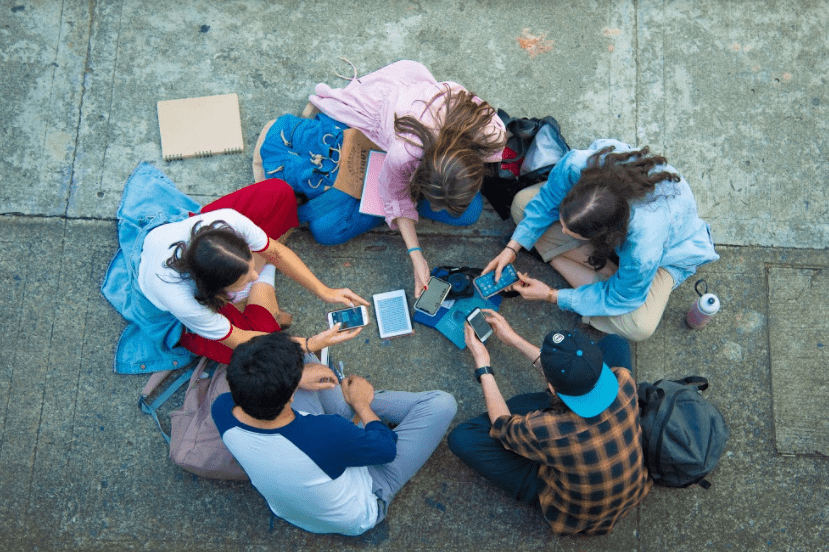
487,286
353,317
434,294
482,328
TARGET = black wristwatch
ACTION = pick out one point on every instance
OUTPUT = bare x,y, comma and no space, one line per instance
483,370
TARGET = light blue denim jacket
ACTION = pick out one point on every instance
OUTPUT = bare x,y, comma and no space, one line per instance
150,342
664,231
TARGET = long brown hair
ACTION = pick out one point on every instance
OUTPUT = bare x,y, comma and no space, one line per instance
451,169
598,205
214,257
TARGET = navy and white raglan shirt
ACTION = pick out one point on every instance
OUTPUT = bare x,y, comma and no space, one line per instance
313,472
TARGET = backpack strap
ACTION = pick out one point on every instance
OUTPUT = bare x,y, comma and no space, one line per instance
665,411
648,393
155,380
699,382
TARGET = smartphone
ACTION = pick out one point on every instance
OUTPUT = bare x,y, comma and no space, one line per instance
482,328
354,317
487,286
434,294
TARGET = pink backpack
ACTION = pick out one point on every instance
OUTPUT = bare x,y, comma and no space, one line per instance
195,443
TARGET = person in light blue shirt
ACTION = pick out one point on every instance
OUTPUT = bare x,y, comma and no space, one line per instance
621,226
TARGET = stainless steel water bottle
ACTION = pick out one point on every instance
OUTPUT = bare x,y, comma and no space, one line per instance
704,308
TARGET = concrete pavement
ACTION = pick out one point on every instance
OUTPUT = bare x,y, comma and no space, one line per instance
733,94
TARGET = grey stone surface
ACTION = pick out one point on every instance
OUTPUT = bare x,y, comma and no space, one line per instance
85,469
797,340
734,94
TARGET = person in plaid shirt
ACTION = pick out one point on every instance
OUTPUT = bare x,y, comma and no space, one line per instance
573,451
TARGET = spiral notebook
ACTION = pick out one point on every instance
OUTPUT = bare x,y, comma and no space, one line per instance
199,127
370,202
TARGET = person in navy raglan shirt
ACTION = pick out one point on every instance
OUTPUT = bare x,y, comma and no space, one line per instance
290,427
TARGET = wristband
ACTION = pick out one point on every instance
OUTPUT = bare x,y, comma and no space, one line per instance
513,250
307,350
413,249
550,295
483,370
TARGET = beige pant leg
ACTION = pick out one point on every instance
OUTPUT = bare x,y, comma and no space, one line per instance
553,242
639,324
258,170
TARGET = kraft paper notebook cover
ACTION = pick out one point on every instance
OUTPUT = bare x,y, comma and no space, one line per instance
198,127
353,160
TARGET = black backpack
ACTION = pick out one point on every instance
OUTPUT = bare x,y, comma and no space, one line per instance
683,434
538,145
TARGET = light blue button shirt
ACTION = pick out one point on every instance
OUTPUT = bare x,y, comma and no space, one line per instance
664,231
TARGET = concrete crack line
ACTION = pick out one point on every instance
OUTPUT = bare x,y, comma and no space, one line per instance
86,69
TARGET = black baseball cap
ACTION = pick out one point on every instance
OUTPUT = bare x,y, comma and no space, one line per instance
574,366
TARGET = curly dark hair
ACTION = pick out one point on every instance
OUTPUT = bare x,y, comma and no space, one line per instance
598,205
263,374
451,170
214,257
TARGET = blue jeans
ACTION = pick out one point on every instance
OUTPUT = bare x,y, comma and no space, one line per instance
513,473
470,216
334,217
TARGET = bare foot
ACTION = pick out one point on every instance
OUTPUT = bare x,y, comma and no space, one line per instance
284,320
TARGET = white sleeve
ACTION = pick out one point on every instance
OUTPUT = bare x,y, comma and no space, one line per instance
177,298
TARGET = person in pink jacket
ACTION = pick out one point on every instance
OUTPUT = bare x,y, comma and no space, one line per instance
438,138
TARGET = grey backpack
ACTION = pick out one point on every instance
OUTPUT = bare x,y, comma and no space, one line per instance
195,442
683,434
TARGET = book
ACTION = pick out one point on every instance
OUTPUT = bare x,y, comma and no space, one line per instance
392,313
370,202
199,127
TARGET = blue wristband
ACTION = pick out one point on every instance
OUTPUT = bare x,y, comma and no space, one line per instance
413,249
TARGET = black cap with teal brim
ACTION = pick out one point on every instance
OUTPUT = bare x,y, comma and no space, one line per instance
574,366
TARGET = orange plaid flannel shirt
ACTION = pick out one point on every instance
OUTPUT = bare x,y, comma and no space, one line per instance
594,468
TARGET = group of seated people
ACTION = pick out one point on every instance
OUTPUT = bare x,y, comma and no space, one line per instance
618,223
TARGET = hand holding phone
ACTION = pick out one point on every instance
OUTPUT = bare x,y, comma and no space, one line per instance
487,286
354,317
434,294
482,328
478,349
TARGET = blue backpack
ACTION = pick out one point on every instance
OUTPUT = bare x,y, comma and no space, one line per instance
305,153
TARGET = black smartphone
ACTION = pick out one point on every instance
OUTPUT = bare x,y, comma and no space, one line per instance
434,294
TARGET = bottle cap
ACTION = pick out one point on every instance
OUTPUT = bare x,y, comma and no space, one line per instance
709,304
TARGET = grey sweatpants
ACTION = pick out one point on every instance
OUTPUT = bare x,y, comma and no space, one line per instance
421,419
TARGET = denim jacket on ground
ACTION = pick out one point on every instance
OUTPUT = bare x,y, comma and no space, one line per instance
150,341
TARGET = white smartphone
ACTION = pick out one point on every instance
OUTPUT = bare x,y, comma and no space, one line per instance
434,294
353,317
482,328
